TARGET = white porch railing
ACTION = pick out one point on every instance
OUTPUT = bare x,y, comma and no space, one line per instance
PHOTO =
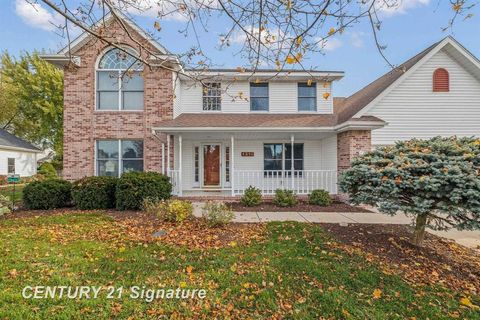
302,182
175,180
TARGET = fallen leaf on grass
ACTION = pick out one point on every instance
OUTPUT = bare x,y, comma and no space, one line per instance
377,294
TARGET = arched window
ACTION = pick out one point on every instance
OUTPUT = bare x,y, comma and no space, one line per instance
441,81
119,81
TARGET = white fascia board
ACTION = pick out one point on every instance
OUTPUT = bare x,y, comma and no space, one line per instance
19,149
286,76
349,125
83,36
61,60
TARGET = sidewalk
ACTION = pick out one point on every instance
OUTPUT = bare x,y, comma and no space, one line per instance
467,238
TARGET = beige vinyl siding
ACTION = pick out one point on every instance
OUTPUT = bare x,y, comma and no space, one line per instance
412,110
283,97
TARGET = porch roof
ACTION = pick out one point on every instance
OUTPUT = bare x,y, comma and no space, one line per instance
263,122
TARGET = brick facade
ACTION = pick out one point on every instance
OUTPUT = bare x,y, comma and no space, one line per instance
351,144
83,125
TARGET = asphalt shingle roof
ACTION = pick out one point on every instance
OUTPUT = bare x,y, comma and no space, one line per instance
9,140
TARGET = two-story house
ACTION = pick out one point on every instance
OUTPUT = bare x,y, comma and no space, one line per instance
225,130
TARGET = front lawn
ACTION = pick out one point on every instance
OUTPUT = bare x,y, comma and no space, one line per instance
291,270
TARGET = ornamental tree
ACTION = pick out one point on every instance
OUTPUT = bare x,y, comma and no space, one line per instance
436,182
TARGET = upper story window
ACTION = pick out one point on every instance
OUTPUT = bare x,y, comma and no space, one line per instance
441,80
212,97
259,96
119,81
307,97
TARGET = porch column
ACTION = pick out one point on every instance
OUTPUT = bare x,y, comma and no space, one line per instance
168,153
232,164
163,158
180,185
292,167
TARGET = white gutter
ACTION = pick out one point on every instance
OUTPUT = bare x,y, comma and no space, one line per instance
2,147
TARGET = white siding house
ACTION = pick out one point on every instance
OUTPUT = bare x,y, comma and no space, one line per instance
17,156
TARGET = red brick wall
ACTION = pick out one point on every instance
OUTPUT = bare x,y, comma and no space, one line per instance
351,144
83,125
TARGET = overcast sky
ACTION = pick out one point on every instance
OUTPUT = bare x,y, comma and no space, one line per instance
406,31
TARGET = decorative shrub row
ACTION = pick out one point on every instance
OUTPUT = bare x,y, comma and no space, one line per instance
124,193
94,193
48,194
284,198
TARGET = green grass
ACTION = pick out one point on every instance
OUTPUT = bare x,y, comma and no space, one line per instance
8,191
294,274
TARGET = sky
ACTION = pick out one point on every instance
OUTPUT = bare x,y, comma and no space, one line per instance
405,31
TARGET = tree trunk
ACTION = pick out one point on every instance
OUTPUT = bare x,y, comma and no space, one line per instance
419,233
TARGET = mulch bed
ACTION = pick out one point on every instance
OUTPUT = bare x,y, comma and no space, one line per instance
439,261
302,206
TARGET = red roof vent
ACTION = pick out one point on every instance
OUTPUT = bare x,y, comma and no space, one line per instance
441,81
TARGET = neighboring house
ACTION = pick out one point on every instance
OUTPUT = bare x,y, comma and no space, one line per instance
235,129
17,156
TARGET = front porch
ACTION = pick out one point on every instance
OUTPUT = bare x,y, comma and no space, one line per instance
223,165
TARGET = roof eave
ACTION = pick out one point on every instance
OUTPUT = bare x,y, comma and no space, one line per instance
61,60
21,149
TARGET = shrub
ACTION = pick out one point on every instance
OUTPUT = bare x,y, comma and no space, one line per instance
48,194
3,180
5,203
48,170
36,177
169,210
435,181
285,198
216,214
94,193
134,187
320,198
252,197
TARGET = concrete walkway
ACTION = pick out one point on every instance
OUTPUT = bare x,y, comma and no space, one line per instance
467,238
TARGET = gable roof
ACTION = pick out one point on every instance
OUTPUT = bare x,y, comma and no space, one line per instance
84,36
356,104
10,141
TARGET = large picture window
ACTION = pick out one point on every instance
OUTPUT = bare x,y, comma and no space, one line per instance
259,96
119,81
115,157
212,97
307,97
278,156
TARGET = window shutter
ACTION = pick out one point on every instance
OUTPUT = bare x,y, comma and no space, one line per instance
441,81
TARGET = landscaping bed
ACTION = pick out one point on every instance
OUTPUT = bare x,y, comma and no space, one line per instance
301,206
439,261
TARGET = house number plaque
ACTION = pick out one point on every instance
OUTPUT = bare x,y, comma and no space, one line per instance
247,154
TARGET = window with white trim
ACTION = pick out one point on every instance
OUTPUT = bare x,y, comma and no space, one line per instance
119,81
197,164
11,165
227,164
212,97
307,96
278,157
115,157
259,96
